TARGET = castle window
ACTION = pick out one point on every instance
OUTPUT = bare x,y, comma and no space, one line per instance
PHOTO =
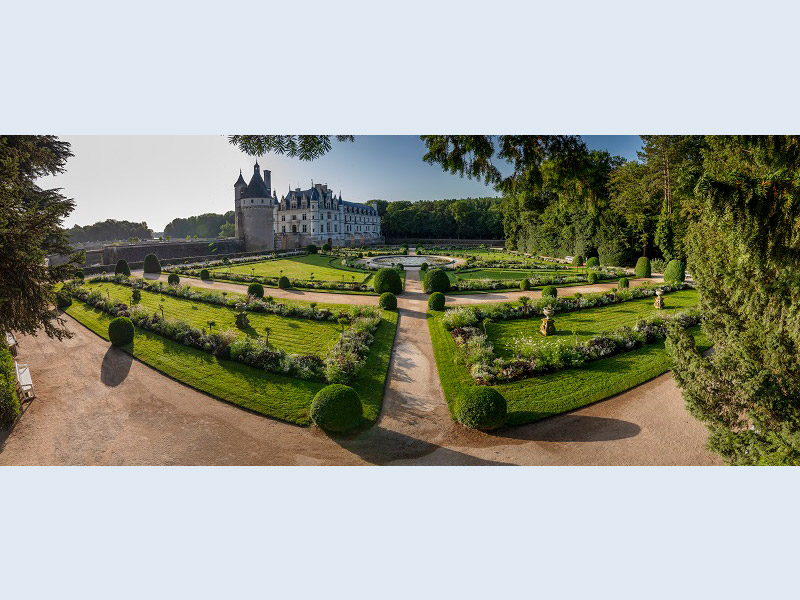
284,228
304,216
305,228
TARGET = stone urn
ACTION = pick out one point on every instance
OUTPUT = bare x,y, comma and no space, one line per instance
548,326
659,303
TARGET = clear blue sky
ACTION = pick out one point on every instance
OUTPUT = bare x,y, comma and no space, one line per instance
158,178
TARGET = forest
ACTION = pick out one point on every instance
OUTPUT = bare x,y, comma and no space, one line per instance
467,218
208,225
109,230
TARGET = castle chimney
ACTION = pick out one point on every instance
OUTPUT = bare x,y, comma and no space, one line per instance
268,179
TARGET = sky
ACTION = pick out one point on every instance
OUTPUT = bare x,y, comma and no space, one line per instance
158,178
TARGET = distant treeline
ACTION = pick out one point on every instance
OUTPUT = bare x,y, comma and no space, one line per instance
467,218
109,230
208,225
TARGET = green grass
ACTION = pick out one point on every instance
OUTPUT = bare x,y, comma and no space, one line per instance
501,274
293,335
555,393
323,268
585,323
269,394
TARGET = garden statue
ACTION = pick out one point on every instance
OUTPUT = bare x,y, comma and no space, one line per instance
659,303
548,326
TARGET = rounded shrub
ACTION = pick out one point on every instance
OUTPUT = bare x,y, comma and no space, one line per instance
423,267
577,261
120,331
525,285
312,249
388,301
481,407
173,279
622,283
326,247
78,274
436,301
63,300
550,290
122,268
593,277
387,280
284,282
204,274
336,407
151,264
255,289
593,263
675,271
436,280
643,267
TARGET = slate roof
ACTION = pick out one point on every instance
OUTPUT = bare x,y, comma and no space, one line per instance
256,188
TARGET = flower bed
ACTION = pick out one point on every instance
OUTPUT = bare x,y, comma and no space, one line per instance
352,286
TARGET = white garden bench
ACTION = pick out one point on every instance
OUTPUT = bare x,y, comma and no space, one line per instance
24,381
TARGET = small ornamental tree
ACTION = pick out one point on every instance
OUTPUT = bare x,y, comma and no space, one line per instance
173,279
481,407
525,285
326,247
436,301
151,264
122,268
205,275
336,407
255,289
436,280
423,267
593,263
388,301
577,261
63,300
284,282
312,249
622,283
550,291
675,272
120,331
593,277
387,280
643,267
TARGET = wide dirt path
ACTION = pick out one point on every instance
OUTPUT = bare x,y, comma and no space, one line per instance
96,405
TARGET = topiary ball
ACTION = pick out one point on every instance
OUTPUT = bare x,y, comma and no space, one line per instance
326,247
122,268
204,274
388,301
284,282
436,301
622,283
436,280
387,280
173,279
593,263
255,289
481,407
336,407
78,274
593,277
120,331
577,261
525,285
312,249
63,300
151,264
675,272
550,290
423,267
643,267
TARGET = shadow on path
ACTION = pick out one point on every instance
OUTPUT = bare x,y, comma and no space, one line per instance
115,368
573,428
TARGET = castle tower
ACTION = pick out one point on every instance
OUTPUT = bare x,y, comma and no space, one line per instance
253,212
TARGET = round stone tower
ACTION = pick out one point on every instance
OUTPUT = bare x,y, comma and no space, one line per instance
254,212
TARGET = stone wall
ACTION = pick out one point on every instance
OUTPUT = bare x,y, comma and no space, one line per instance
135,253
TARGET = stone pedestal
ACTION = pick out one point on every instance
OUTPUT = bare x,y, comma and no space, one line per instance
548,326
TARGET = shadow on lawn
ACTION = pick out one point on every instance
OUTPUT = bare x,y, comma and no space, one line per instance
572,428
115,367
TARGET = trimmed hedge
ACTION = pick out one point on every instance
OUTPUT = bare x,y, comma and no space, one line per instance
122,268
481,407
643,267
284,282
337,408
9,401
387,280
63,299
151,264
675,272
388,301
525,285
120,331
173,279
593,277
550,290
436,301
205,275
593,263
622,283
436,280
312,249
255,289
577,261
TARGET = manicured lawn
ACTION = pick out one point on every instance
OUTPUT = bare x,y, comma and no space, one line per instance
511,274
547,395
296,336
584,323
323,268
273,395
